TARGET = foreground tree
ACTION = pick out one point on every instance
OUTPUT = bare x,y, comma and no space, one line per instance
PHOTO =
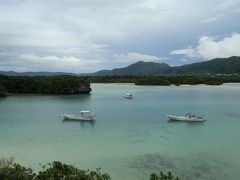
53,171
163,176
58,170
12,171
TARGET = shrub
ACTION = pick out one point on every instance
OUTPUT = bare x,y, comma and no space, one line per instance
163,176
53,171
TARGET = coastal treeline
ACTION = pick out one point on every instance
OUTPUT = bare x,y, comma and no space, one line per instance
58,170
3,90
166,80
67,84
44,85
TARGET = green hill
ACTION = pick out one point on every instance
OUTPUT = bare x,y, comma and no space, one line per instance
138,68
229,65
12,73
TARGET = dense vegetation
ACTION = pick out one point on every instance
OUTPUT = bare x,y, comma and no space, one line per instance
153,81
163,176
3,91
53,171
76,85
57,171
44,84
166,80
229,65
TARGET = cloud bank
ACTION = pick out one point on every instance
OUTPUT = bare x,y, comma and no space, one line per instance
86,36
209,48
134,57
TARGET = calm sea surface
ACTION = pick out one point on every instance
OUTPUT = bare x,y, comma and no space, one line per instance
130,139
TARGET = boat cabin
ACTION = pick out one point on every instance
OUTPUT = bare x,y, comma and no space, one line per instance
85,113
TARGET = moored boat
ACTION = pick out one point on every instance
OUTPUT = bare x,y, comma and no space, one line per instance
84,116
128,96
189,117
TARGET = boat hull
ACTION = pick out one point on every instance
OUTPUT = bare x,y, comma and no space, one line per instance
77,118
128,96
183,118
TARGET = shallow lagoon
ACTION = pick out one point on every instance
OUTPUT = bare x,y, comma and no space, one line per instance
130,138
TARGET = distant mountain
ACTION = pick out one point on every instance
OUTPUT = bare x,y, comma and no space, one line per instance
12,73
138,68
229,65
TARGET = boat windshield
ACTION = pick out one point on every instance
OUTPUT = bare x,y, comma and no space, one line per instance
190,115
85,112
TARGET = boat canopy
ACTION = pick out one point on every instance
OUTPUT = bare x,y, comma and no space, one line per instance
85,111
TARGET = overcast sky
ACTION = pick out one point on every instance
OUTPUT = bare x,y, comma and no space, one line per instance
88,35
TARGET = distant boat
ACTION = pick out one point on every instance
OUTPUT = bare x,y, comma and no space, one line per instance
189,117
84,116
128,96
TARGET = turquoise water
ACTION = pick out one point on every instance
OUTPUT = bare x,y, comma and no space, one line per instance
130,139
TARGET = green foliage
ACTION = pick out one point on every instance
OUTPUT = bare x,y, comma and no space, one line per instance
229,65
3,90
12,171
153,81
58,170
163,176
166,80
75,85
213,82
18,172
54,171
45,85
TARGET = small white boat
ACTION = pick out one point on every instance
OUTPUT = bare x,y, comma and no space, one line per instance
128,96
189,117
84,116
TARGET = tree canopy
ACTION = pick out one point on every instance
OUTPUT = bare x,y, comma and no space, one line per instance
45,84
3,90
58,170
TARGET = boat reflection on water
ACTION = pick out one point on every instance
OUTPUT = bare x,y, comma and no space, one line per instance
82,123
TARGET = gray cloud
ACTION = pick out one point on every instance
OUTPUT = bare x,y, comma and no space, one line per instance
132,57
94,32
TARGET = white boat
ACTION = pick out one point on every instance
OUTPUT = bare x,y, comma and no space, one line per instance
189,117
84,116
129,96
